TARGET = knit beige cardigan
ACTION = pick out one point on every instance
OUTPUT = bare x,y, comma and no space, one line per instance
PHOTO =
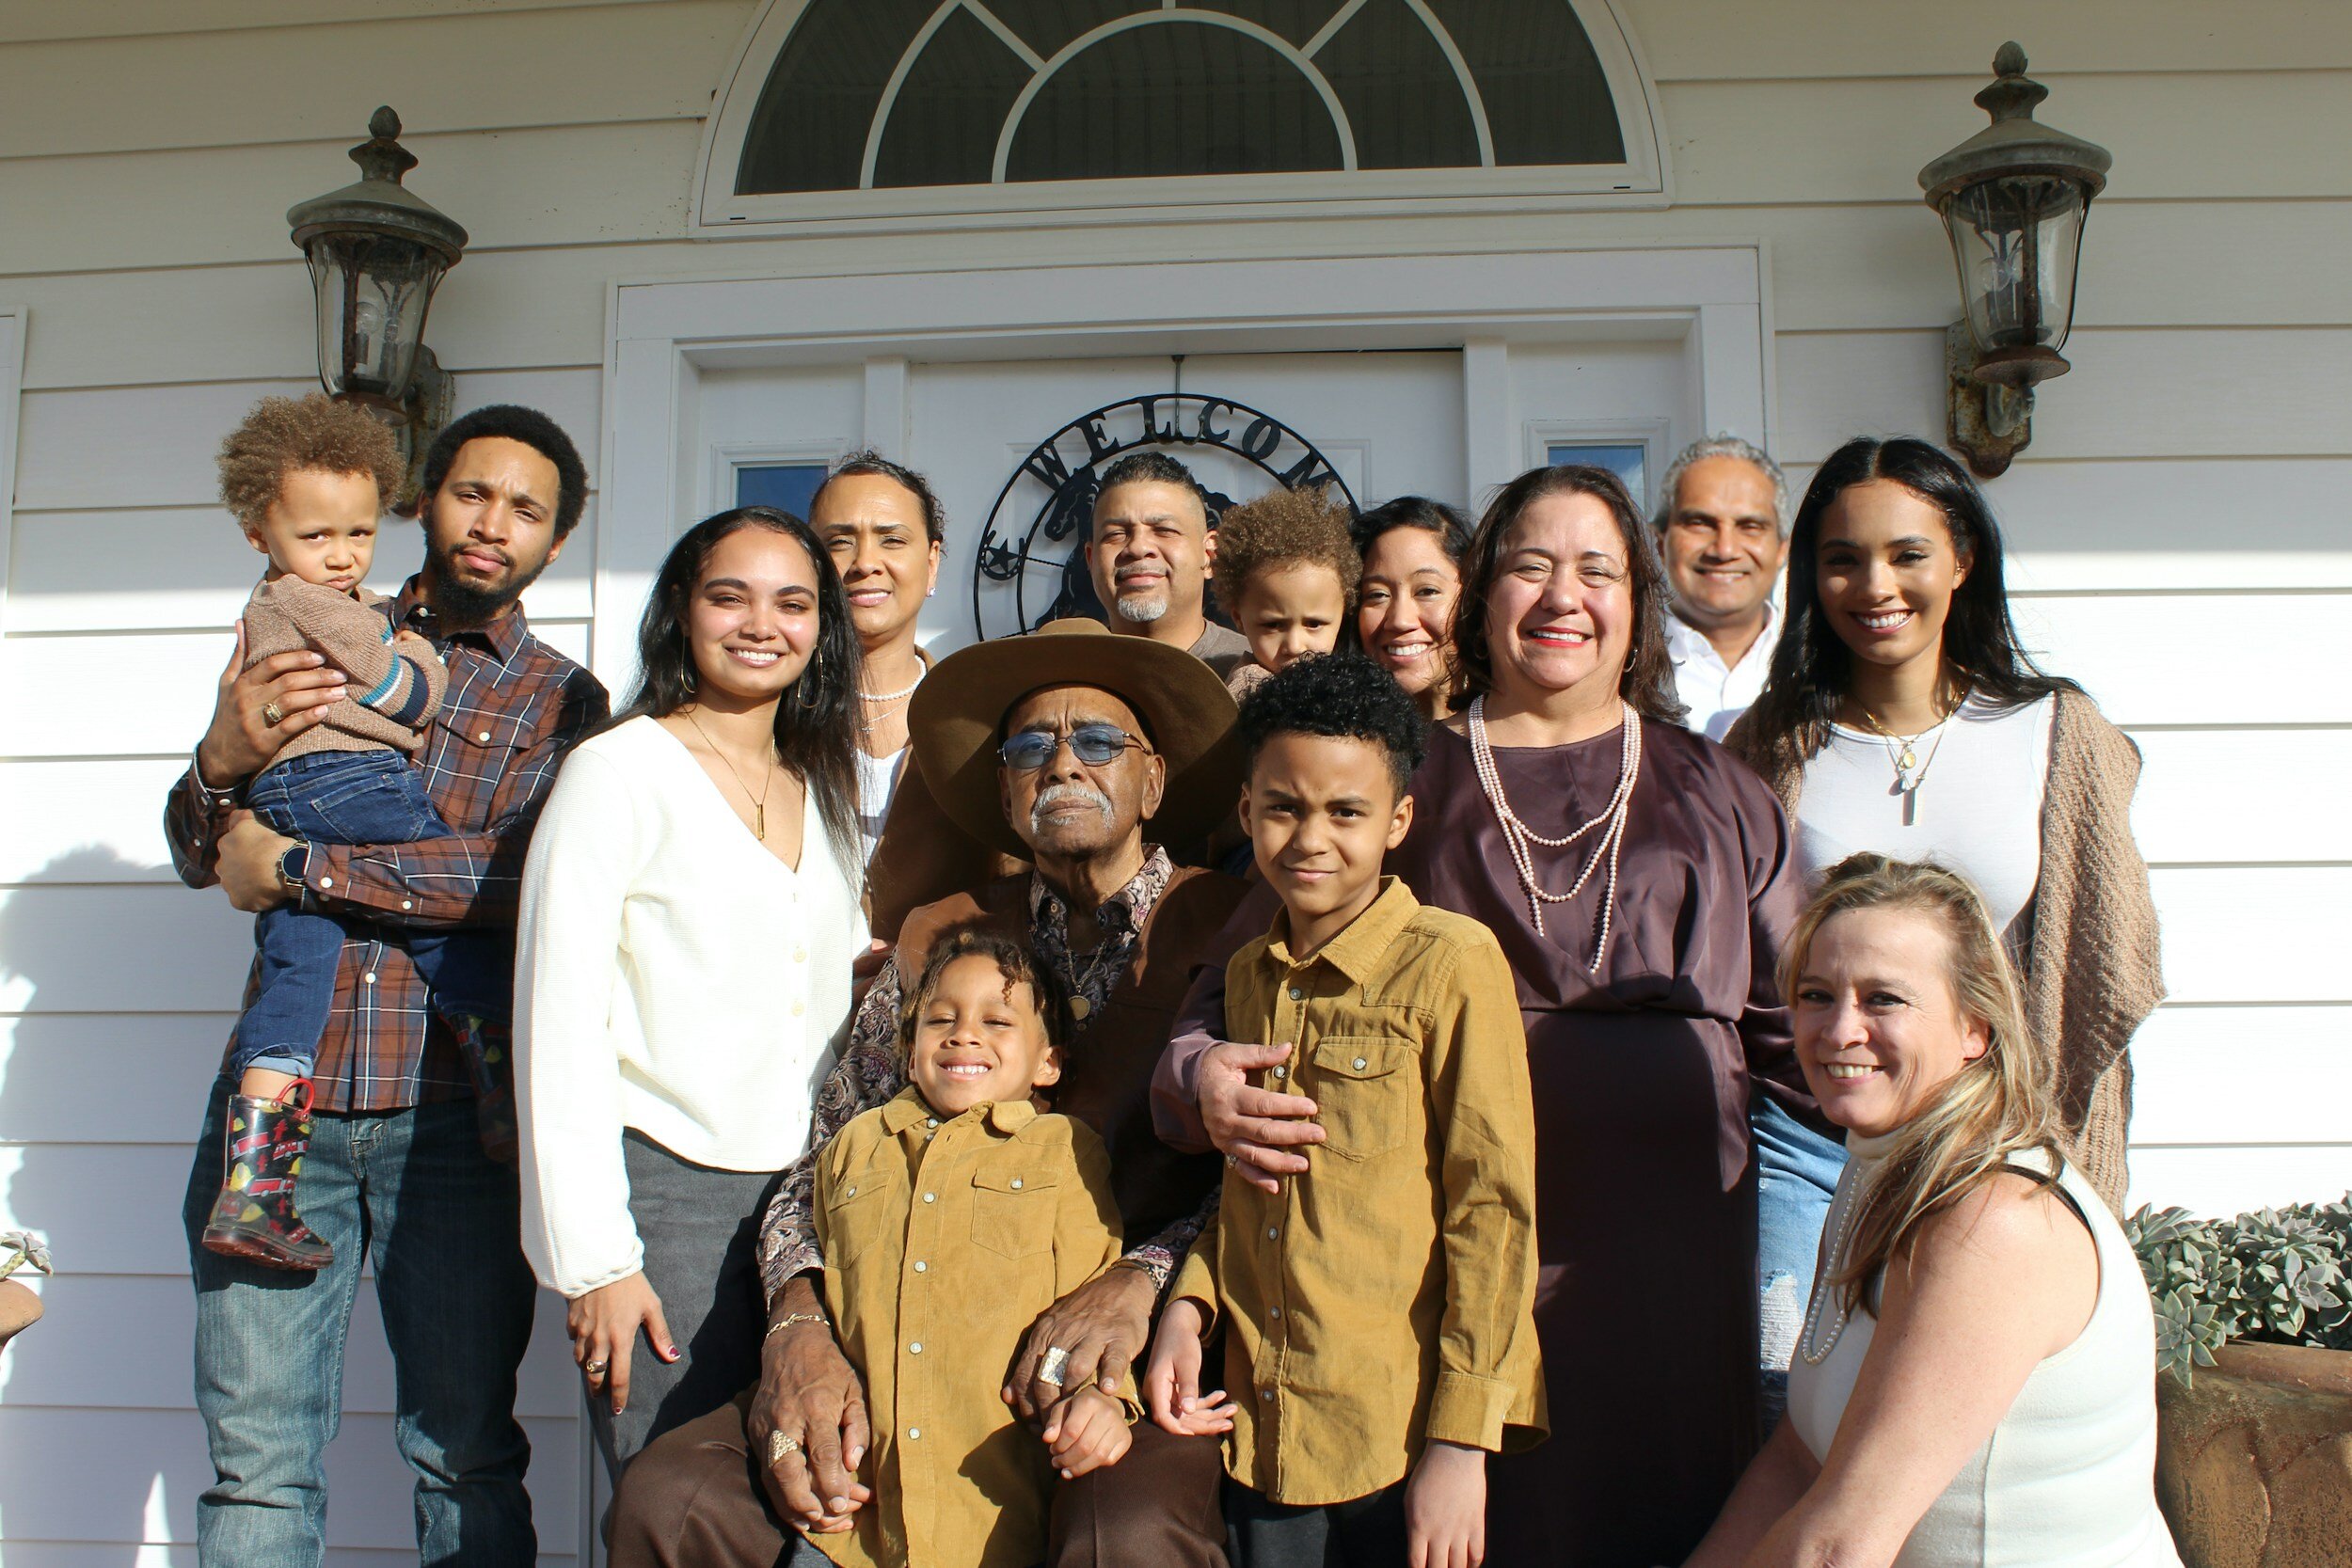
2091,970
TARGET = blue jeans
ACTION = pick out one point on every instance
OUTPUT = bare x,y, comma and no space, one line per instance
412,1192
1797,1171
351,798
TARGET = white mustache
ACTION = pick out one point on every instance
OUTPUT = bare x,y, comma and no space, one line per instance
1055,795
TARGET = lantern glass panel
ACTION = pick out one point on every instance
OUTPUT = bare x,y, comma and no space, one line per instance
2016,239
373,293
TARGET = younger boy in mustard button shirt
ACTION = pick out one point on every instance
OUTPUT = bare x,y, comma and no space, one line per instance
950,1218
1378,1311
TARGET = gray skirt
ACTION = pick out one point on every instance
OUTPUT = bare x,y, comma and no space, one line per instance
698,1227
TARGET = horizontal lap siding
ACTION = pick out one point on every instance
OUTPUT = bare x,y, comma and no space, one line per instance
2179,529
92,1475
117,985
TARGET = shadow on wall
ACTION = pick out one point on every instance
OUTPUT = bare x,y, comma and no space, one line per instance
95,1111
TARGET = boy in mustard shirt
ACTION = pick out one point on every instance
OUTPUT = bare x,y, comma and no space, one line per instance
950,1218
1378,1311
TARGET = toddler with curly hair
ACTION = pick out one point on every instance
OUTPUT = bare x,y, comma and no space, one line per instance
1284,572
950,1218
309,480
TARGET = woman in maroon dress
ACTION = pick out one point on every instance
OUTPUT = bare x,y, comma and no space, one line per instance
1641,881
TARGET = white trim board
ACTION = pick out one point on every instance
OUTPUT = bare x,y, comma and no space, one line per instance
666,332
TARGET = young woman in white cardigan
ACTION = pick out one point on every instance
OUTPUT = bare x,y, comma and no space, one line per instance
690,909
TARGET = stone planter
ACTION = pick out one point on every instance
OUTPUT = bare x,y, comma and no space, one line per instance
2254,1458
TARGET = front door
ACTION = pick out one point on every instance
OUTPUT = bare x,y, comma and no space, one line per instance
1013,448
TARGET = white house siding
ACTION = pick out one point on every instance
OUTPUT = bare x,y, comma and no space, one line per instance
2180,525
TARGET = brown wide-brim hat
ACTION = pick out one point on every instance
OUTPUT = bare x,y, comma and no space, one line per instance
1187,715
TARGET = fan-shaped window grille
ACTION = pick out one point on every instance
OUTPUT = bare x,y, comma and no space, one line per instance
872,95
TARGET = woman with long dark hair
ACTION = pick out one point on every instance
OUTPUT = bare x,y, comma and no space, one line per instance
1412,548
1902,716
1640,880
691,908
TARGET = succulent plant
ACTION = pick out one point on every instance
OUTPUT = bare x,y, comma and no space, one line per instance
2280,1276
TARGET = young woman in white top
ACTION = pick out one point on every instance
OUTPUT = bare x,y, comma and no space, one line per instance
1902,716
1976,1379
690,915
883,527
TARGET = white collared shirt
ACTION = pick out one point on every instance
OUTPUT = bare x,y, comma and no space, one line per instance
1716,696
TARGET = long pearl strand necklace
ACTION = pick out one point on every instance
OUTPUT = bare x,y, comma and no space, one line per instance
1521,838
1840,1228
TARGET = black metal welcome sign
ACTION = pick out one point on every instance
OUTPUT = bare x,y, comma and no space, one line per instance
1044,560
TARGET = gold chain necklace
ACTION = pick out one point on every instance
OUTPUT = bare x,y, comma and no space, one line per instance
759,802
1904,752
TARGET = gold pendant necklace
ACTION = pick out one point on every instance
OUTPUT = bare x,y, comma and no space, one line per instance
759,802
1904,752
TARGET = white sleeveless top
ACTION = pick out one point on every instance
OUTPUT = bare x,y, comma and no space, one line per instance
2068,1478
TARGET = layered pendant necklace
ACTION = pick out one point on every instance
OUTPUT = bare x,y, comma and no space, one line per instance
1521,839
759,802
1910,769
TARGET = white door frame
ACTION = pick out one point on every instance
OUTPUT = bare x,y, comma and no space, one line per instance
664,334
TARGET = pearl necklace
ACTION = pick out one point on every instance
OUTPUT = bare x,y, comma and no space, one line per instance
1520,837
867,717
1863,1154
1840,1228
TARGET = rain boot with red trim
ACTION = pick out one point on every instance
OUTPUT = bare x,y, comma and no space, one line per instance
254,1217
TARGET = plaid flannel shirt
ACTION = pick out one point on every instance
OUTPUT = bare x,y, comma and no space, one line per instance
514,706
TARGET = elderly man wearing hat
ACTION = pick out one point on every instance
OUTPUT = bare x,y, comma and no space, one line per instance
1057,747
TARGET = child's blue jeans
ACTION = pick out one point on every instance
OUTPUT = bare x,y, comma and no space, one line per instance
375,797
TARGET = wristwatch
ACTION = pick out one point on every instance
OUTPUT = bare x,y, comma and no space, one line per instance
292,868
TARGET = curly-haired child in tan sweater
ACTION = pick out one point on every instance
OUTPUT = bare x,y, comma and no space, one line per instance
309,480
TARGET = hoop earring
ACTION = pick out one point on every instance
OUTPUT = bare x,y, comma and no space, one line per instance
806,687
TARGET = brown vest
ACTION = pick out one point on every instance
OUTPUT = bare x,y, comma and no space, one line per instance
1106,1076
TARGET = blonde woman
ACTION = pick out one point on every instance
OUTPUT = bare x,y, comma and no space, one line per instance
1975,1381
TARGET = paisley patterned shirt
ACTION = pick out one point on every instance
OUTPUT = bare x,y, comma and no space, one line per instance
871,1071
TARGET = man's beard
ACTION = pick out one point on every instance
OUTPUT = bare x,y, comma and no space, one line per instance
1141,612
461,603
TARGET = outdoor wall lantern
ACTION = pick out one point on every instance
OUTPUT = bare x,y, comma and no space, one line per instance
377,252
2013,198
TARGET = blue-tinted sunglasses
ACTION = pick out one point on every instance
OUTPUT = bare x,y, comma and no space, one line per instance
1091,744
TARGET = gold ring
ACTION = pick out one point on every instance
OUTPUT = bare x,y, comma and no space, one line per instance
594,1369
272,713
779,1447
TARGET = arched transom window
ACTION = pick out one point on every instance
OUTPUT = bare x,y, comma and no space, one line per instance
1015,104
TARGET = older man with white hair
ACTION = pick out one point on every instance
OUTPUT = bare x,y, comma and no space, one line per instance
1724,530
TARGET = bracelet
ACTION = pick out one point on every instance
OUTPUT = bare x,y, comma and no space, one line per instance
790,1318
